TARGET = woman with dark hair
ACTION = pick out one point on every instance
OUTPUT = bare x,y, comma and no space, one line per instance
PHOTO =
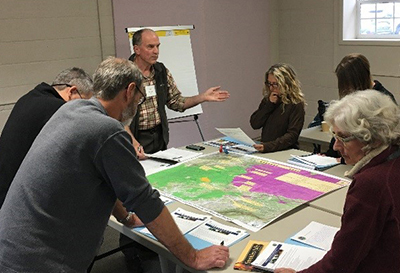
353,74
281,111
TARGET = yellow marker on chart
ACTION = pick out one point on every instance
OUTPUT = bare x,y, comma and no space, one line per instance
165,33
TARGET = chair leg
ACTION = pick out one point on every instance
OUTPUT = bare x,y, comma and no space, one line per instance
108,253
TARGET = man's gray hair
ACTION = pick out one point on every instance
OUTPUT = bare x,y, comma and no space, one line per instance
114,75
78,77
369,115
137,36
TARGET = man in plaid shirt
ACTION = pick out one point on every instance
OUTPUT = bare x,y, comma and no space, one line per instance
150,127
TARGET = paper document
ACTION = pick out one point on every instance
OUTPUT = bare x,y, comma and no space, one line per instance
185,220
313,161
175,155
216,233
151,166
317,235
238,134
278,255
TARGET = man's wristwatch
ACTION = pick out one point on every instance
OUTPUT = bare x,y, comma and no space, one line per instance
126,219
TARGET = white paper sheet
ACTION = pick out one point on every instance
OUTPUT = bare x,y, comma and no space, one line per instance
185,220
238,134
317,235
216,233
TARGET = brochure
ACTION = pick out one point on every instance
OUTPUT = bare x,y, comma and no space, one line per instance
277,255
249,254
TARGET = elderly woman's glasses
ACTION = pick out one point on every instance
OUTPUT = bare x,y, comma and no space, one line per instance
272,84
343,140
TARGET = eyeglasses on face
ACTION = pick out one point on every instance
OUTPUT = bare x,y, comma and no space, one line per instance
343,140
67,85
272,84
143,98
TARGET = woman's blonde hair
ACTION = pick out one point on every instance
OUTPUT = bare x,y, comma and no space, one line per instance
289,85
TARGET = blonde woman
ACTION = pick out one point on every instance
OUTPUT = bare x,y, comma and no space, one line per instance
281,111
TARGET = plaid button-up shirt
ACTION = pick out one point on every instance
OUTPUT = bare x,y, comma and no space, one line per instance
148,114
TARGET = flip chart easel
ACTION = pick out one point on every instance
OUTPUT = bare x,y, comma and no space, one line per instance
176,54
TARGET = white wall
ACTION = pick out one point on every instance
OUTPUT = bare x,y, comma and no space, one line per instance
42,37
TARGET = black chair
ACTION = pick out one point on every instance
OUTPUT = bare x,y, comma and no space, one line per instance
319,117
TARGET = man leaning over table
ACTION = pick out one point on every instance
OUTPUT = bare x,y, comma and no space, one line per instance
30,114
68,183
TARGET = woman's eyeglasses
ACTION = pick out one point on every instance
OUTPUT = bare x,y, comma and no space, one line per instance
343,140
272,84
67,85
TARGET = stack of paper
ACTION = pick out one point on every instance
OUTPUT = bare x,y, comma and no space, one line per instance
313,161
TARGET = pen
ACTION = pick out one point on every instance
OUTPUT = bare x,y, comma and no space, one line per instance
276,250
222,243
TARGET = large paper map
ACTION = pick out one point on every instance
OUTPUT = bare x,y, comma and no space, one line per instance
247,190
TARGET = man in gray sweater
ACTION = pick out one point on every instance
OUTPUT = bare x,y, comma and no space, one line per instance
58,205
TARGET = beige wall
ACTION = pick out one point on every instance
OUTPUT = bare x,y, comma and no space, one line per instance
233,45
234,42
309,39
40,38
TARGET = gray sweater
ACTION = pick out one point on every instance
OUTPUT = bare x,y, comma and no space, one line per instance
58,205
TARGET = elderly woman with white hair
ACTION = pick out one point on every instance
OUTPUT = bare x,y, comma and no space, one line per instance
367,131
